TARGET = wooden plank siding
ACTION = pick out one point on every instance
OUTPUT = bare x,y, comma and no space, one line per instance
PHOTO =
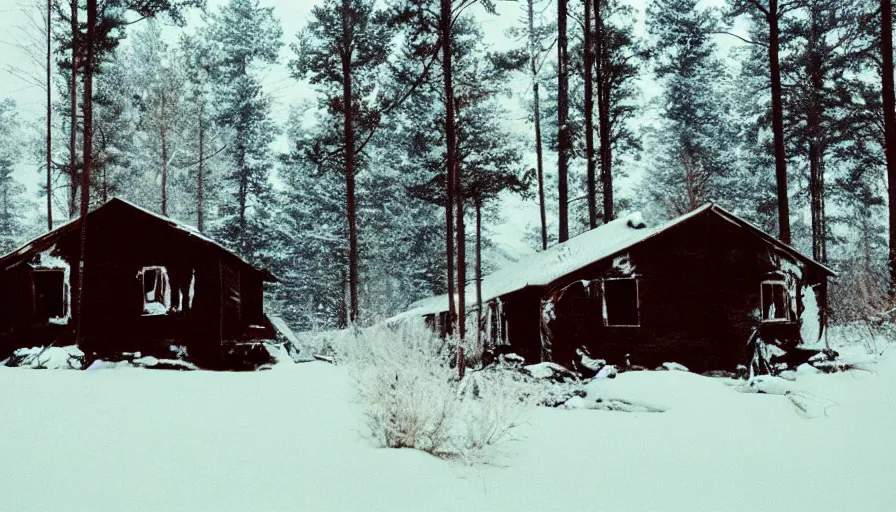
121,241
699,301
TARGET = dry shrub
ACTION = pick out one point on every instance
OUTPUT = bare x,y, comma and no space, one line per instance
860,298
412,398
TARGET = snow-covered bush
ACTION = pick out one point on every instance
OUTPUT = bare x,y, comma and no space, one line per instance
313,343
474,346
51,358
412,399
861,297
493,403
404,385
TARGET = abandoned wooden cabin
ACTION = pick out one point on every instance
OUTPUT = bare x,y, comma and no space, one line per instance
149,283
699,290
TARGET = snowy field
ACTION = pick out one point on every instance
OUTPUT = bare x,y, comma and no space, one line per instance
293,439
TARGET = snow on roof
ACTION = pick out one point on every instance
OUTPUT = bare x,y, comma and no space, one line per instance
543,268
30,244
427,306
180,226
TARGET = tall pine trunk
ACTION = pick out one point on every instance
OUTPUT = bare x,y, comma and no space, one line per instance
563,135
778,124
536,111
49,122
603,115
349,133
200,178
450,150
164,142
589,115
105,186
461,257
889,101
478,273
73,117
816,195
817,144
243,192
88,162
461,245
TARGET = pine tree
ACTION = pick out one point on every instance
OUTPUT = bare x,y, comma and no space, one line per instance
346,80
205,144
72,44
588,66
769,14
751,185
403,238
159,96
430,34
616,66
313,281
12,221
491,163
889,115
564,137
692,144
34,39
246,37
487,158
538,37
822,49
618,56
116,162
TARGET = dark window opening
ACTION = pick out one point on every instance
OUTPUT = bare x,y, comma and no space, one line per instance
253,302
621,302
775,301
49,294
156,291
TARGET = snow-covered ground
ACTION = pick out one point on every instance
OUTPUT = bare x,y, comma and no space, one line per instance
293,439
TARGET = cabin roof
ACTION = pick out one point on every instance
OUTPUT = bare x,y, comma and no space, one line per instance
174,227
601,243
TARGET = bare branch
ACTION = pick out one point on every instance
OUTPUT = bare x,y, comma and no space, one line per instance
759,6
748,41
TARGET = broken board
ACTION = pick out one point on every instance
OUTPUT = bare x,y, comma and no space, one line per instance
284,329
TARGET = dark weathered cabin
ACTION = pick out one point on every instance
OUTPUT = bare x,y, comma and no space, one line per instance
699,290
149,283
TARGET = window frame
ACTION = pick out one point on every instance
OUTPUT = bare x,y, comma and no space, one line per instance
603,298
787,307
161,269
